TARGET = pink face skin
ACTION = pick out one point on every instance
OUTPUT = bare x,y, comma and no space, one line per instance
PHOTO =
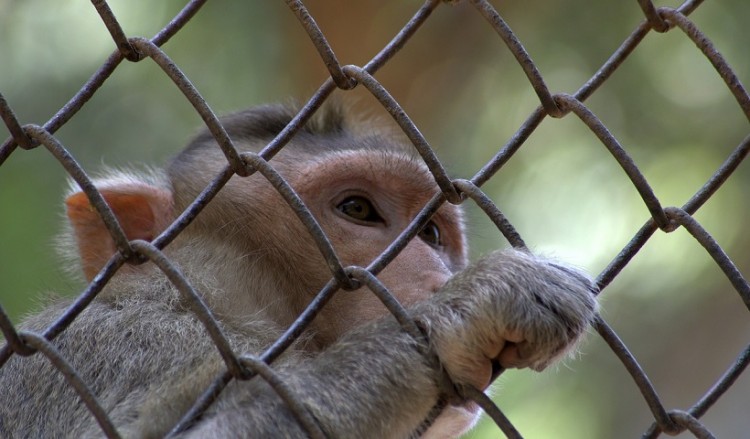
384,199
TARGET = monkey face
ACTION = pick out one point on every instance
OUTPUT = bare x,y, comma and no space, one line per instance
363,200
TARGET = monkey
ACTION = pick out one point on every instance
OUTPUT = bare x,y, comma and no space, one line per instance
355,369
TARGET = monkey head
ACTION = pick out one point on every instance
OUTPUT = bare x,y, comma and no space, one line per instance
363,189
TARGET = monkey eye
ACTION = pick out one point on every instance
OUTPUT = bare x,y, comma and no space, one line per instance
430,234
360,208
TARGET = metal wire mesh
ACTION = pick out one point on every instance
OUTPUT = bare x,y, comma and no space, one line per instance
346,77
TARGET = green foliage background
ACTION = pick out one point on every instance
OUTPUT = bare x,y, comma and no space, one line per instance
563,191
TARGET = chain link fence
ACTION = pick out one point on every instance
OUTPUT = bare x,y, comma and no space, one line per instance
347,77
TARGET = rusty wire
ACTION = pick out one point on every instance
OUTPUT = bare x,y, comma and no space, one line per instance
243,367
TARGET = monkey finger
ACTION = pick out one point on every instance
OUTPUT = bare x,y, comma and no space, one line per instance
510,356
514,336
519,355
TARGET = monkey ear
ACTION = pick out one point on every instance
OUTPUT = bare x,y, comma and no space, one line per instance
143,211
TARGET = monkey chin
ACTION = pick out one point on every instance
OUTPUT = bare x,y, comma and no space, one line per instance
454,421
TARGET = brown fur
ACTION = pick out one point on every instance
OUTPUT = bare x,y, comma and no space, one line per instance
147,358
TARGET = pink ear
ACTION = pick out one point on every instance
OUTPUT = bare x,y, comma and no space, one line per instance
143,211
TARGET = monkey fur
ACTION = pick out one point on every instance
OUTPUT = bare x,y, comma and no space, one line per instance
356,370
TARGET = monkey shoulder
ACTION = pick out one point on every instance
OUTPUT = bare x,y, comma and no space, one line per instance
128,346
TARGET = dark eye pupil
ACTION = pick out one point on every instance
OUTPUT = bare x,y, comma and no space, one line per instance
356,208
430,234
359,208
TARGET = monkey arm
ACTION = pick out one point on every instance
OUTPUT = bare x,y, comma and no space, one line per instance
375,382
378,381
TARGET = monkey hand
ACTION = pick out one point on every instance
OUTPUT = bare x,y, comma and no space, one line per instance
509,309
